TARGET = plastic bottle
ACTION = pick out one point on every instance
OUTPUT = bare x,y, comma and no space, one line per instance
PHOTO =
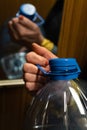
60,105
13,65
29,11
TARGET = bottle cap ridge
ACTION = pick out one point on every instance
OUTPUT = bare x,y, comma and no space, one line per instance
63,69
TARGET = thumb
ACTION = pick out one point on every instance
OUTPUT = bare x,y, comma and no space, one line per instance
42,51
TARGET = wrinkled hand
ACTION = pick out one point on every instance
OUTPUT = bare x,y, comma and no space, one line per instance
33,78
24,31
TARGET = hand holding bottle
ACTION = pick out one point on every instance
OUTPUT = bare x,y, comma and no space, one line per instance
25,31
33,78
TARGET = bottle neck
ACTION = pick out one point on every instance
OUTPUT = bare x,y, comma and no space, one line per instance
62,69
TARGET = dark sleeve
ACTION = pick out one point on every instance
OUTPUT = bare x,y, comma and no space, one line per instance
53,22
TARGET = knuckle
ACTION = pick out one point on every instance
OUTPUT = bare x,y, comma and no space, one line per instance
24,67
26,76
35,27
29,56
29,86
21,34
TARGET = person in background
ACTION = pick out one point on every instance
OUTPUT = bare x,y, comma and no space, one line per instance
25,32
34,79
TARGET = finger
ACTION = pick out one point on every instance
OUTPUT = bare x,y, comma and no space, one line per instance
12,30
34,58
19,29
30,68
32,86
26,22
23,32
43,51
33,69
34,78
11,23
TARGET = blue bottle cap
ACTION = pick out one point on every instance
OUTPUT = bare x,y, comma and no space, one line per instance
62,69
62,61
27,10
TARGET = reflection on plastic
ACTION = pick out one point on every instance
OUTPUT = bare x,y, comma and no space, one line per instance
13,64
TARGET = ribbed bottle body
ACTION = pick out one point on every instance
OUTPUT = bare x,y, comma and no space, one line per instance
58,105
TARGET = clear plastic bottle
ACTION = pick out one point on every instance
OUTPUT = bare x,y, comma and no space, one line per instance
29,11
60,105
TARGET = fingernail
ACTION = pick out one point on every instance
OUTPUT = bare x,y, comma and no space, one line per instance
10,22
46,63
21,17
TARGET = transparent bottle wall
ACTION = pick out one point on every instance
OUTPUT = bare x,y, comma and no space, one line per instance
58,106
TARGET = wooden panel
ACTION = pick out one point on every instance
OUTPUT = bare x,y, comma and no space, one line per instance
73,36
8,8
14,102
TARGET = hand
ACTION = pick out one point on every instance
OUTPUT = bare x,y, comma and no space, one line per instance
25,31
33,78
